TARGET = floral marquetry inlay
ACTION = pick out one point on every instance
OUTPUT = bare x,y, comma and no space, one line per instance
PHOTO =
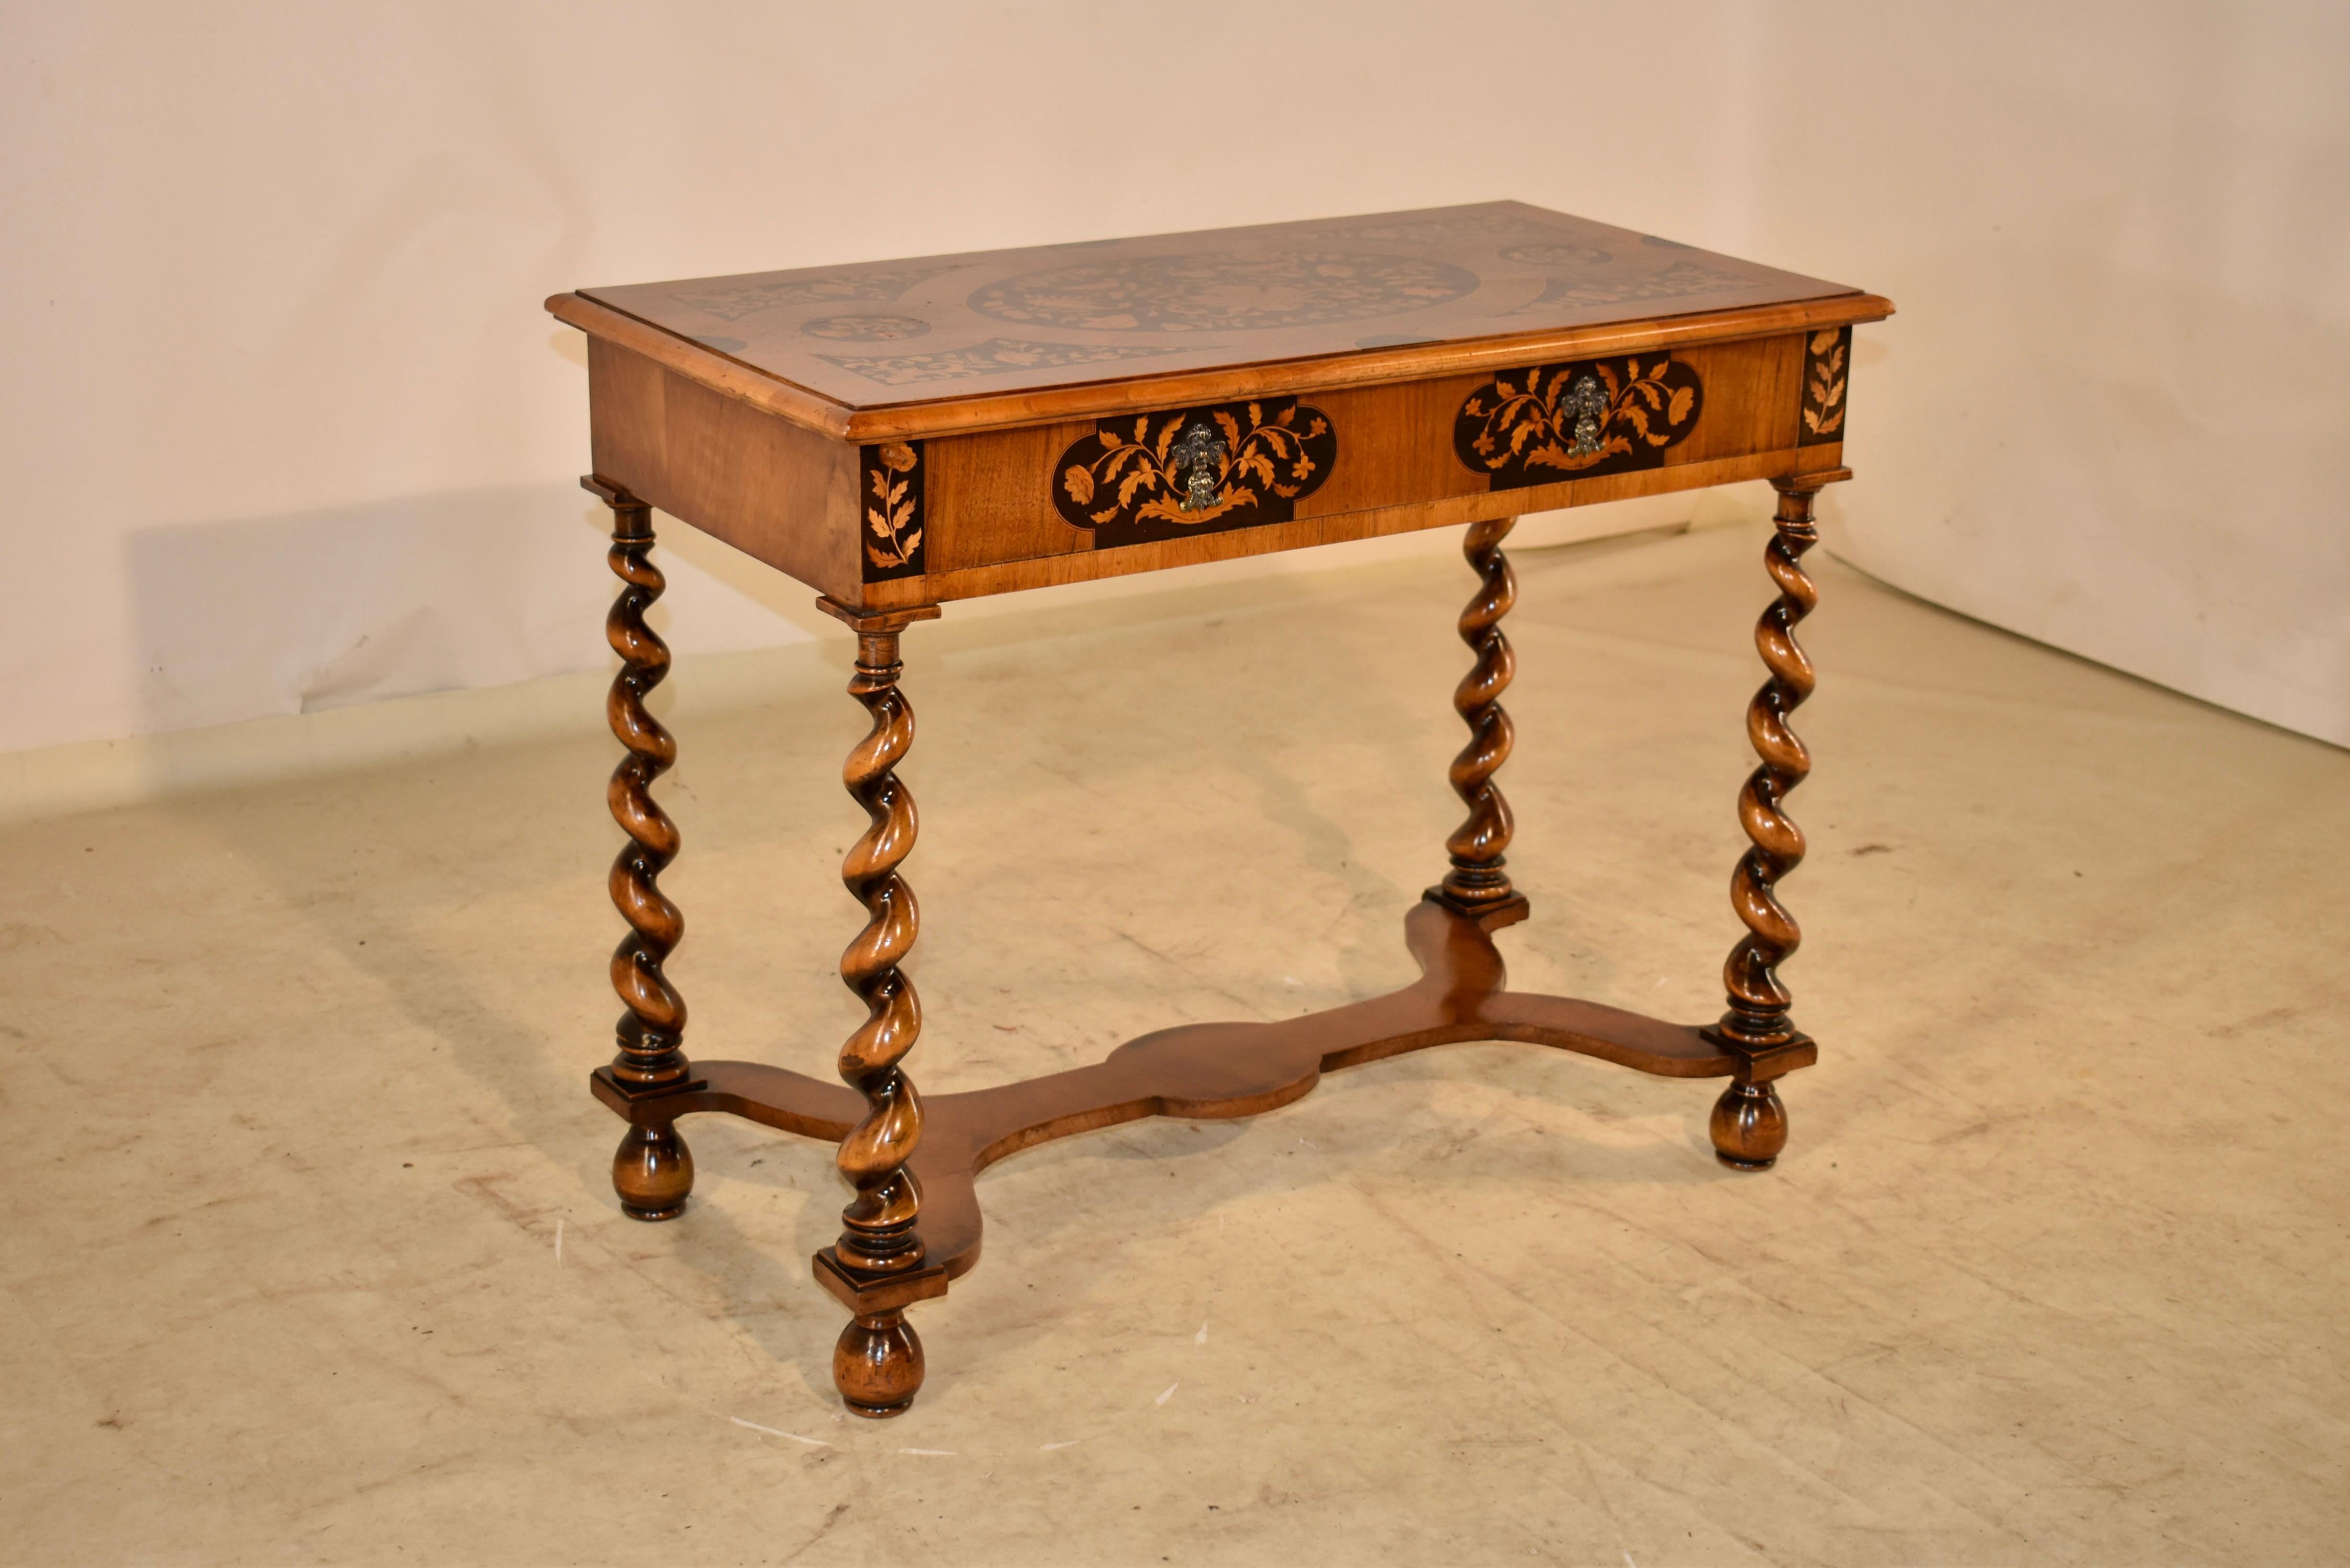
1826,357
732,299
1556,423
892,491
992,357
1223,292
1194,471
921,333
866,327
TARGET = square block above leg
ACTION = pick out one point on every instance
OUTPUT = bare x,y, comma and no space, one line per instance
865,1294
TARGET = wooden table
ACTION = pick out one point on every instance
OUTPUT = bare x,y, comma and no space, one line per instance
898,434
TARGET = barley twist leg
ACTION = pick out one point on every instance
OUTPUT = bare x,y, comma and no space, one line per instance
1749,1124
878,1224
1478,881
877,1363
652,1171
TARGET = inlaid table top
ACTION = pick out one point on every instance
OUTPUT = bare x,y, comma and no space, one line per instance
910,432
960,336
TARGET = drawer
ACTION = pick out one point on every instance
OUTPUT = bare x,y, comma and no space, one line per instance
922,521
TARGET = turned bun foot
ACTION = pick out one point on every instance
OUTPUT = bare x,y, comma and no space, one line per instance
653,1171
1749,1127
878,1364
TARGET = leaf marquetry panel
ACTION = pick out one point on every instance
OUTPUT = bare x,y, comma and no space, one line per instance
1194,471
1828,373
1551,422
893,478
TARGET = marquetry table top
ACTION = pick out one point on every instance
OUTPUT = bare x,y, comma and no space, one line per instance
971,336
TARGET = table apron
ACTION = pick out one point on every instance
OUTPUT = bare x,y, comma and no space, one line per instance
895,523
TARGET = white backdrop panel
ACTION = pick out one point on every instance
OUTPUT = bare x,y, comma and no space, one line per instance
283,427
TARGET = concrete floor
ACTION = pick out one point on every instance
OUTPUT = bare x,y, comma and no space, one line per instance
313,1256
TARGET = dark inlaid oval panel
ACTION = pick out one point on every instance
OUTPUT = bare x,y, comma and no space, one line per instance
1171,476
1589,417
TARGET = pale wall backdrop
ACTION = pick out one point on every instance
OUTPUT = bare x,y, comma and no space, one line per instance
283,427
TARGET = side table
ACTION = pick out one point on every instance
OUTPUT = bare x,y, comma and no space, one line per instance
900,434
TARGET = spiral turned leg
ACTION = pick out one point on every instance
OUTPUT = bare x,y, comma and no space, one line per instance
1749,1124
651,1171
1478,883
877,1265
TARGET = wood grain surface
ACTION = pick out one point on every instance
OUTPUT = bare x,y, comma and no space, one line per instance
958,342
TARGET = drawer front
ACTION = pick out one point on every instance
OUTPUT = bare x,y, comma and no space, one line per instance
919,522
1197,484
